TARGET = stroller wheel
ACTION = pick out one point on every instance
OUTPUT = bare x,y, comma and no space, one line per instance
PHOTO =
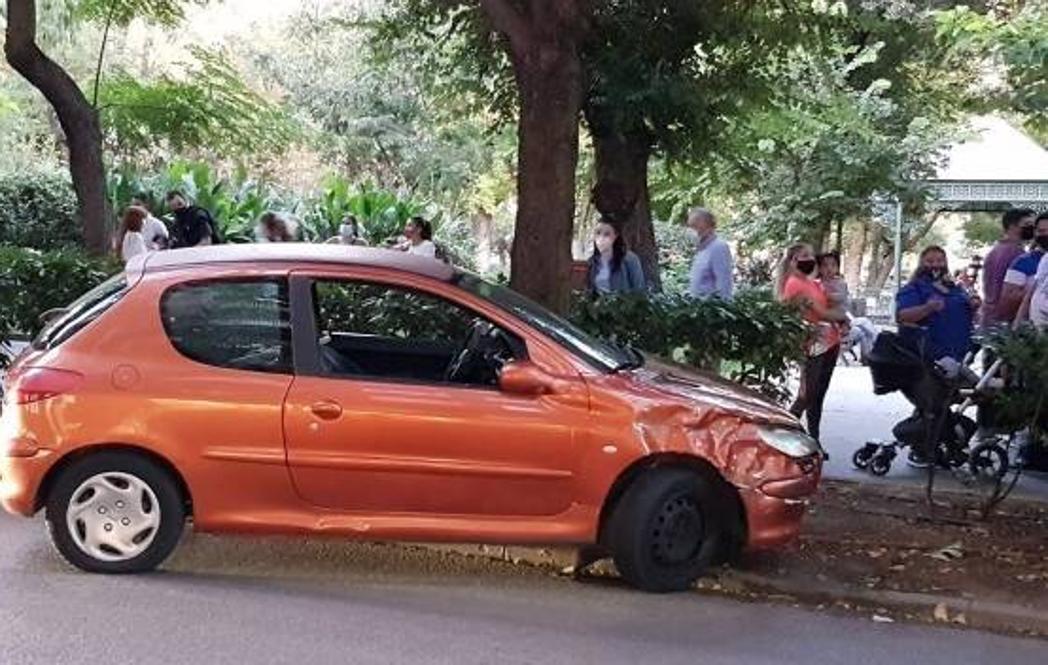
861,458
881,464
988,461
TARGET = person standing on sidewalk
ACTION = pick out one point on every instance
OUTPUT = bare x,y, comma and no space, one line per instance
194,226
613,268
1018,226
797,285
153,230
1021,273
712,269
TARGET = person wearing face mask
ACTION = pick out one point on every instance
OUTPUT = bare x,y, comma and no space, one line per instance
612,267
933,312
1018,231
1034,308
797,285
712,269
1021,273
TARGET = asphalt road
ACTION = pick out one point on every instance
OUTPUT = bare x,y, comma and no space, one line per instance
229,600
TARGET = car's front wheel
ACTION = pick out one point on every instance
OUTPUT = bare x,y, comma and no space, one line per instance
115,512
664,531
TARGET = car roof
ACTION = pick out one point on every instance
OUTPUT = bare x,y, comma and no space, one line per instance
290,252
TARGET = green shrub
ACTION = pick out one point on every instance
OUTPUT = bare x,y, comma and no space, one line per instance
1024,403
33,282
38,210
753,338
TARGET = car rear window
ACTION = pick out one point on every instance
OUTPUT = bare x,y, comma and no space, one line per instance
83,311
240,324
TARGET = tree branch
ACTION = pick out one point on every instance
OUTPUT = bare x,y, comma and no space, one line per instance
102,51
507,20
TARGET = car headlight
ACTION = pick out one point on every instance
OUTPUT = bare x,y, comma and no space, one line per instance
794,443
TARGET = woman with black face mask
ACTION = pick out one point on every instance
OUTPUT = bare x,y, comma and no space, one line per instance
797,285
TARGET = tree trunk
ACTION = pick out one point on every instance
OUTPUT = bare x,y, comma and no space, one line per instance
621,194
544,40
78,118
855,255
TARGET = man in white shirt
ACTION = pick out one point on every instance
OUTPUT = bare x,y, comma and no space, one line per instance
154,232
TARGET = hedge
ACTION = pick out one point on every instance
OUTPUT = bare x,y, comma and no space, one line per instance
753,339
38,210
32,282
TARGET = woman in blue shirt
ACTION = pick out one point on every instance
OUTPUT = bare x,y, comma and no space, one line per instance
934,312
612,267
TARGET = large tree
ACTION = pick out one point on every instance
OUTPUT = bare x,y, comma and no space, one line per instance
77,116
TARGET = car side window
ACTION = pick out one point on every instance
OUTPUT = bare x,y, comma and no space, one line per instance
381,331
240,324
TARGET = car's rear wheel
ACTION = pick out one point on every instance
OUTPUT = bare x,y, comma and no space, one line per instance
665,531
115,512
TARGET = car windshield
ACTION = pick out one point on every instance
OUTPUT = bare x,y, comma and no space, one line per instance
601,355
84,310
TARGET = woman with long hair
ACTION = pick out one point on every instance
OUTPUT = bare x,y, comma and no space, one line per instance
418,238
613,268
797,285
132,241
274,228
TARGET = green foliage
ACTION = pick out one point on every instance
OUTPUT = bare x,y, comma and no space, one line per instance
756,337
33,282
1016,44
1025,402
38,209
209,107
168,13
236,202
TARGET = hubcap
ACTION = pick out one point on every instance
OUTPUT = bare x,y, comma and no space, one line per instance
678,531
113,516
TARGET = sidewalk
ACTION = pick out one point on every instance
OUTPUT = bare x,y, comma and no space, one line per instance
854,415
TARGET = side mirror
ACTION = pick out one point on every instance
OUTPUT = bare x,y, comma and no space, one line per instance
526,378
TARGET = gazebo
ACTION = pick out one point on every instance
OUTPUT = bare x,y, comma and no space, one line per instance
998,167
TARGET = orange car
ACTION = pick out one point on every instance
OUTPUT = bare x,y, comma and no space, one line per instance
364,393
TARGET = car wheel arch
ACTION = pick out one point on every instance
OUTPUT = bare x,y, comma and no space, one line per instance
701,467
83,452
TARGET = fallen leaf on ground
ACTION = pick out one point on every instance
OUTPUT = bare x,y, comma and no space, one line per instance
940,613
878,618
948,553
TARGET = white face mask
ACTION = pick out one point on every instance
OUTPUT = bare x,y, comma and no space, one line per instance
347,232
603,243
693,236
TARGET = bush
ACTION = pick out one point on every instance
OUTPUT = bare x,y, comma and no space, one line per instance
38,210
33,282
754,338
1025,402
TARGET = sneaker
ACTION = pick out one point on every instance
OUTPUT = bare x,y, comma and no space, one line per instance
917,460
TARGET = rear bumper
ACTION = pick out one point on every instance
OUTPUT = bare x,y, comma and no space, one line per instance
774,511
20,479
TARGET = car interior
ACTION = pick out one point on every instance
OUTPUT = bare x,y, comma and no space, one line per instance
378,331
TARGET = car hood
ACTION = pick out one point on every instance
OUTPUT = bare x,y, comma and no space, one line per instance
712,392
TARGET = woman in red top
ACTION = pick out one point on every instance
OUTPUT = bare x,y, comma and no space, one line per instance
797,285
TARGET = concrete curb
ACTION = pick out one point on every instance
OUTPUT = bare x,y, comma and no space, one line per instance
937,608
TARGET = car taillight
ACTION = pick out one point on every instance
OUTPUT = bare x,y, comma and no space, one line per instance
34,384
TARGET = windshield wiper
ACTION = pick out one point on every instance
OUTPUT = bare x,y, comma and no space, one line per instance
636,360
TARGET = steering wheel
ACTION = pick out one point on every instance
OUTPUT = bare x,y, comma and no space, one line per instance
475,354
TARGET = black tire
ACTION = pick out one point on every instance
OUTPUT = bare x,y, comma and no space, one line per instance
880,465
666,529
171,504
988,461
861,458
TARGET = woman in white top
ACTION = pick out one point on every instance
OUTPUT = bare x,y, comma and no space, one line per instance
418,238
132,242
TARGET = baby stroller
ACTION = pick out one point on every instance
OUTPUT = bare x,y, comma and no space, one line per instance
937,432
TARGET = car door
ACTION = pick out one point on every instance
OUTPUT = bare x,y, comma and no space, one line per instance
373,425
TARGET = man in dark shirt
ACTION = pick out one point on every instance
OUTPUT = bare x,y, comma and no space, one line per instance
1018,232
193,225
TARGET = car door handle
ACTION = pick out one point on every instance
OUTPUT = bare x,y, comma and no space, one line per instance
327,410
